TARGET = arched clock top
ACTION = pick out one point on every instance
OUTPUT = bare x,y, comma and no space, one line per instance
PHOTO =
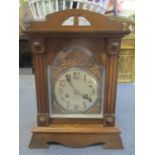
73,56
80,21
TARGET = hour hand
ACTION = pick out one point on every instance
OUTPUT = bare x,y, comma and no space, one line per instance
85,96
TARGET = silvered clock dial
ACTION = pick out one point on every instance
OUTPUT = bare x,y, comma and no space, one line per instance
76,90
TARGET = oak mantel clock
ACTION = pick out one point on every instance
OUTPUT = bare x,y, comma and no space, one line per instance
75,56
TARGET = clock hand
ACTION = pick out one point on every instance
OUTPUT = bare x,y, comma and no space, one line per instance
69,81
85,96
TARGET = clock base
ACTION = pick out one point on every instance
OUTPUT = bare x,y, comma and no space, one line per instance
76,136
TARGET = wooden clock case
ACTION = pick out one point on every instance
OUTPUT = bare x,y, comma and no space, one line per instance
103,37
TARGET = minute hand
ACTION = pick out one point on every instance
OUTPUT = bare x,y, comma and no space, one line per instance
85,96
74,89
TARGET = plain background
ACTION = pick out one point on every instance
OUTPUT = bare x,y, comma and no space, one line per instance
145,77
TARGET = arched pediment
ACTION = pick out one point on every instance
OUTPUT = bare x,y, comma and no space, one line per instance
97,22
